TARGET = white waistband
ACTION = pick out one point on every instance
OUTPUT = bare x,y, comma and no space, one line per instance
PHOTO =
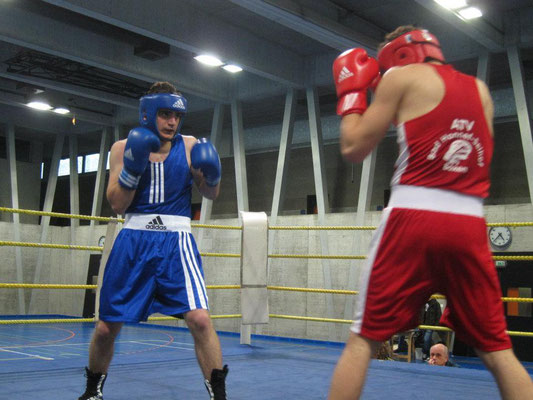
423,198
158,222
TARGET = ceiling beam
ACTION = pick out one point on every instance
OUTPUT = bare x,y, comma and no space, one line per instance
310,23
480,31
18,101
87,93
21,26
196,31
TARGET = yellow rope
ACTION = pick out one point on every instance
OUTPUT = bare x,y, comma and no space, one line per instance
310,290
517,333
90,248
513,258
220,255
370,228
341,321
316,256
347,321
75,320
44,321
513,224
346,257
238,228
322,228
281,288
294,317
211,316
70,286
59,215
102,219
230,255
517,300
44,286
50,245
445,329
292,228
435,328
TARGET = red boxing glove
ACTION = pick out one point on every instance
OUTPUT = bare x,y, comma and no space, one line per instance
354,72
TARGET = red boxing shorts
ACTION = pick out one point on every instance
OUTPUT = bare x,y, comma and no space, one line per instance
418,252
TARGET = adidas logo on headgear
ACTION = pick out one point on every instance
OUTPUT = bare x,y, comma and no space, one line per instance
178,104
345,73
156,224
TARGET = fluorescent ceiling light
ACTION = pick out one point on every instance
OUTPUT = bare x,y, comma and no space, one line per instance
232,68
39,105
470,13
212,61
452,4
61,110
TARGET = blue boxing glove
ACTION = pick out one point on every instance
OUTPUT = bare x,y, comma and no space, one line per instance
204,157
141,142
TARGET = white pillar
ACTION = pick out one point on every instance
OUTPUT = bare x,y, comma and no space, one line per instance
321,190
12,161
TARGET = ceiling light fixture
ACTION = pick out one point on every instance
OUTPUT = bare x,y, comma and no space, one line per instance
209,60
452,4
470,13
61,110
39,105
232,68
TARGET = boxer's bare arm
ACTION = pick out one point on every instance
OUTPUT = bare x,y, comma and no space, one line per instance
118,197
361,133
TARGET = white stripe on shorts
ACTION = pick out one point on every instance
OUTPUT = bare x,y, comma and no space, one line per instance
364,277
191,268
198,278
184,263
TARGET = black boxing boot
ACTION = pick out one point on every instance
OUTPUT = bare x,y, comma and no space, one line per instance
216,386
95,385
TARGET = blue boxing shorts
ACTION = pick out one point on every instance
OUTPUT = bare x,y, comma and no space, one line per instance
154,267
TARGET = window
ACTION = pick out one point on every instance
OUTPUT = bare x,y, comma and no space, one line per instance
91,162
88,163
64,166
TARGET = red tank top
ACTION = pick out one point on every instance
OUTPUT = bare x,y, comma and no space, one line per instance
450,147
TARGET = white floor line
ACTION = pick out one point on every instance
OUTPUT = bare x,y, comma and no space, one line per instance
28,354
166,347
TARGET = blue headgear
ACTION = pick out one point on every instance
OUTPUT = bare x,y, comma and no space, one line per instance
152,103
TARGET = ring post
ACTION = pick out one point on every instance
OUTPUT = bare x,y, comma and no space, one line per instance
254,257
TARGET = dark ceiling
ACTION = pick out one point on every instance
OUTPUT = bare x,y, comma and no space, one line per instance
97,57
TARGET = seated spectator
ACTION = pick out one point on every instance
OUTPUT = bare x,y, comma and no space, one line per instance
384,352
438,355
431,316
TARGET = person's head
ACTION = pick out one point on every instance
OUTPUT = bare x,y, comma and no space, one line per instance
438,354
162,110
408,44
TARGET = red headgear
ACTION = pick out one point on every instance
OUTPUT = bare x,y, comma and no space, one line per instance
409,48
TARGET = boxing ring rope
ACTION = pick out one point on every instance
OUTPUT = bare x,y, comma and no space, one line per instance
279,316
371,228
231,255
294,227
101,219
279,288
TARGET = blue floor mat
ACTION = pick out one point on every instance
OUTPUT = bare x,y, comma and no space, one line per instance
47,362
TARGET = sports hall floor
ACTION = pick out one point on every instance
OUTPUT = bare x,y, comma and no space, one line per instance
152,362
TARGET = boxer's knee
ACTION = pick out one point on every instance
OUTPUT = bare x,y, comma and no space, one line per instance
198,322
